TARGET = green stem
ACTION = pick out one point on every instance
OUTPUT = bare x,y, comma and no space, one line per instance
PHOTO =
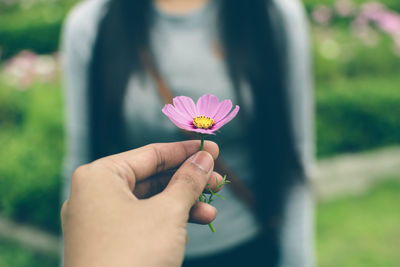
211,227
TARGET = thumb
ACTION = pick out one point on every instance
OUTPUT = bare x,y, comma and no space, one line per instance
190,179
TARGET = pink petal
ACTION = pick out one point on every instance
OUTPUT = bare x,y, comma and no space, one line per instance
176,114
187,126
203,131
180,124
225,120
206,105
223,109
186,106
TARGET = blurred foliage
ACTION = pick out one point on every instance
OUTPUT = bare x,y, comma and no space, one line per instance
358,115
357,77
31,24
361,231
31,138
13,255
340,55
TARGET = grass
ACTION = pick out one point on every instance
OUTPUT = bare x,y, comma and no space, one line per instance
361,231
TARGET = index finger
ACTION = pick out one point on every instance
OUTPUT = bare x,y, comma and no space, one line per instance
154,158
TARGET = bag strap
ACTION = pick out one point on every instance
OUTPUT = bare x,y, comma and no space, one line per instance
239,188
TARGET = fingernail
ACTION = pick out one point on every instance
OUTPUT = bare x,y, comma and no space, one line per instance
203,160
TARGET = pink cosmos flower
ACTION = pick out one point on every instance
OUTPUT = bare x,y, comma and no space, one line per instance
206,117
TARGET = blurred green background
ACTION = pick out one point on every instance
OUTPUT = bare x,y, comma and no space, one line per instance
356,49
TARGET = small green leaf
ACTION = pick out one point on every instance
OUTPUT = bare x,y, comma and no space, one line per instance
220,196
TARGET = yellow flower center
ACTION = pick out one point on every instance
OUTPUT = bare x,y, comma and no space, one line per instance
203,122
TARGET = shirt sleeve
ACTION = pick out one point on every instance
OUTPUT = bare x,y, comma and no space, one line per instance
297,235
77,40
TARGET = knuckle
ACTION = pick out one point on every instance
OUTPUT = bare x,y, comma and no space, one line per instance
158,156
80,174
79,171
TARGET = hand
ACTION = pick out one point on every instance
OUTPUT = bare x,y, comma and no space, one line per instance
105,224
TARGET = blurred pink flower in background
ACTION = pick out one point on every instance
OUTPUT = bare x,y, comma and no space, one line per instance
345,8
372,10
361,29
389,22
27,67
322,14
366,22
386,20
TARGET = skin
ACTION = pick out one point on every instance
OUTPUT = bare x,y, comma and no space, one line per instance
105,224
179,6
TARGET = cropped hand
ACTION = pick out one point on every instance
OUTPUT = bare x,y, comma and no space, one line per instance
105,224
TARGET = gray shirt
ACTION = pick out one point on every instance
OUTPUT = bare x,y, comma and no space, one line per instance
183,49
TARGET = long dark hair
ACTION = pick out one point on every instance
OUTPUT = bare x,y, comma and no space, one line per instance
254,51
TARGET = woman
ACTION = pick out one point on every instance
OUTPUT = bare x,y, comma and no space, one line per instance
120,52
